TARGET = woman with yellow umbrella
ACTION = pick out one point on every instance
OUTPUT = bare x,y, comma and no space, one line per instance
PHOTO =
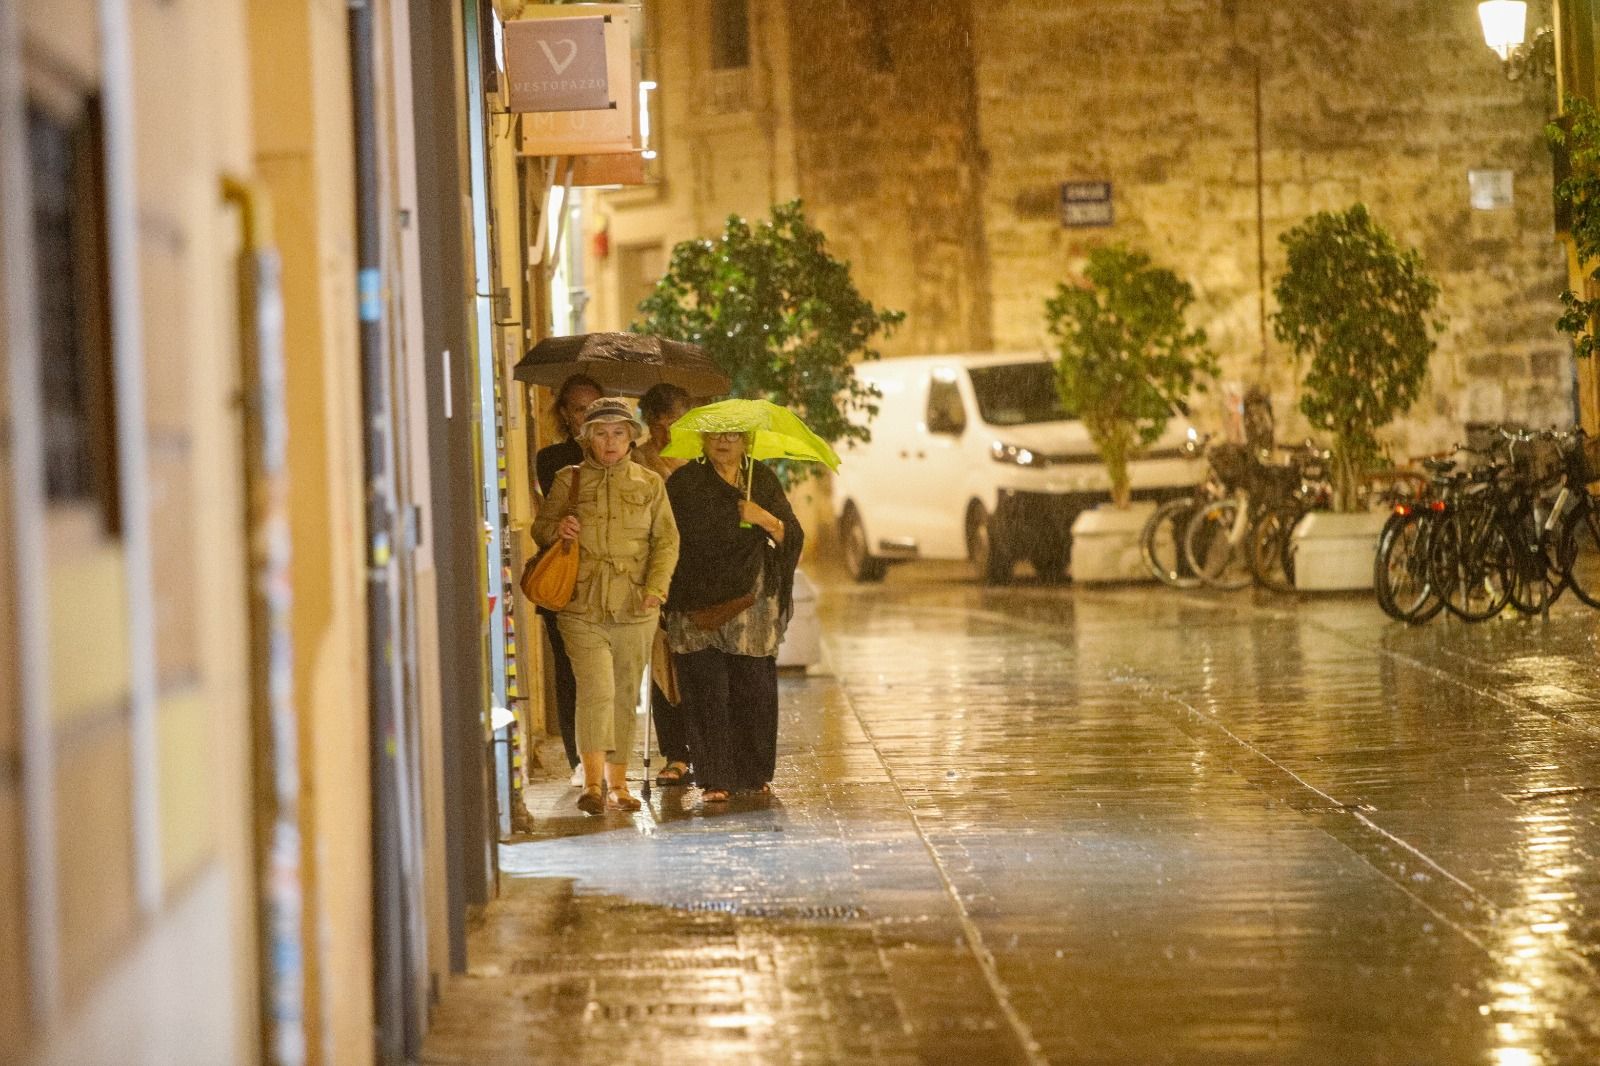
731,596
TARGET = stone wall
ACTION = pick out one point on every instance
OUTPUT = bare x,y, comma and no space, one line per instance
889,160
1388,102
930,140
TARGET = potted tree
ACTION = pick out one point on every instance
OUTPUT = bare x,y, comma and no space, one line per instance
783,318
1127,360
1360,309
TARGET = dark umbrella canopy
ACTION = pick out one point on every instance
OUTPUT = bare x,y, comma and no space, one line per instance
627,363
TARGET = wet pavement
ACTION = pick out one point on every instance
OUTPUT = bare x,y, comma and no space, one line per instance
1120,825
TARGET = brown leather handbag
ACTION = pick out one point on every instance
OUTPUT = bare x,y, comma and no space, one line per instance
549,577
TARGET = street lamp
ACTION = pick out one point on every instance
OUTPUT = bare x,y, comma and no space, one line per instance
1505,30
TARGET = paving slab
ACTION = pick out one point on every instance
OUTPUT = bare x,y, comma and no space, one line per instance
1113,825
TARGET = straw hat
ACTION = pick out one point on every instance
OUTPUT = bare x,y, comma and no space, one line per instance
611,409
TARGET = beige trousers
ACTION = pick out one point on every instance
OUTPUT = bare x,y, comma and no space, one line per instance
608,663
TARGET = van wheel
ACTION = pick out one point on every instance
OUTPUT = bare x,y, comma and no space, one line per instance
861,564
988,548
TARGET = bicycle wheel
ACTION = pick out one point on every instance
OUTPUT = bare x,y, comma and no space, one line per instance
1209,548
1470,567
1580,555
1161,544
1400,570
1537,580
1270,548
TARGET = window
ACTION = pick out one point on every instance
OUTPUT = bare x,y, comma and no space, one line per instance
74,337
639,267
730,34
1018,393
946,412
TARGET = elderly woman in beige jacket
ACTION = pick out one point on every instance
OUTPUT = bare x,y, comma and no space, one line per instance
627,548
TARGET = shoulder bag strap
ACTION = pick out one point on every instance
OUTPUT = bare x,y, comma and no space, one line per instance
571,505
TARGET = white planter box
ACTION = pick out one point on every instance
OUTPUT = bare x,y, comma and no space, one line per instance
1105,544
802,643
1334,552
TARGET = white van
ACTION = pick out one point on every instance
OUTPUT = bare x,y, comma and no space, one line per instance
972,456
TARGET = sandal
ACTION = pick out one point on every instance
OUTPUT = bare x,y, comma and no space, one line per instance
672,774
620,799
591,802
714,795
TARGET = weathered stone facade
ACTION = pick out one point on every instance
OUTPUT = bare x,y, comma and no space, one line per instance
930,141
890,160
1388,103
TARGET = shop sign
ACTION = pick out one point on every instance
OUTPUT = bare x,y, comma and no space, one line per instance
1086,203
610,129
557,64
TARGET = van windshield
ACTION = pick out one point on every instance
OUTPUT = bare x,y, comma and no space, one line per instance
1017,394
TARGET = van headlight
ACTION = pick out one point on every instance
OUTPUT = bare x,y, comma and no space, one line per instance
1015,454
1193,444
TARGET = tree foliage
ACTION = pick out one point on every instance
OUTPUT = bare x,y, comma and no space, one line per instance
1578,135
780,316
1127,355
1361,308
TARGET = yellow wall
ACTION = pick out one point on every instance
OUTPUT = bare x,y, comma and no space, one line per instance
13,944
302,122
169,979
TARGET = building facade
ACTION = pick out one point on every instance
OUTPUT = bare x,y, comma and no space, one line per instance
248,448
933,143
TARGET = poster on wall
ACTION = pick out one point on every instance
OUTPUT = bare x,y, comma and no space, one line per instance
557,64
611,129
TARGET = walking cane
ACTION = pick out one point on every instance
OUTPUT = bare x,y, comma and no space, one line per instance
646,695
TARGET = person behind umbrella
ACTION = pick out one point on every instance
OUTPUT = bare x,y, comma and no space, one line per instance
627,548
740,542
572,399
661,406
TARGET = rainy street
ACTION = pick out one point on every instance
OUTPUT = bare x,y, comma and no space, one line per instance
1113,825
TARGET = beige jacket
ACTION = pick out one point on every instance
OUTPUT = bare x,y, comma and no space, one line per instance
627,544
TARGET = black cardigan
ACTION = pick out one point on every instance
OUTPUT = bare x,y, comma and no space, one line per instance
554,458
718,561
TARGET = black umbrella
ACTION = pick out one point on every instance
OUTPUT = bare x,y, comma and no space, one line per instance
627,363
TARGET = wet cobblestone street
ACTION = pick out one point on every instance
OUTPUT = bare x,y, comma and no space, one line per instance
1065,825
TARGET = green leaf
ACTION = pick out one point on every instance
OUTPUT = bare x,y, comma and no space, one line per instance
1127,356
1361,308
1577,133
780,315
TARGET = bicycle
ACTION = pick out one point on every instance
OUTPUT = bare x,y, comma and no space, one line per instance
1161,540
1303,487
1216,529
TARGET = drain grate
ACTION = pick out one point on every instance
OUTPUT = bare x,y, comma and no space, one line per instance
635,1011
810,913
638,964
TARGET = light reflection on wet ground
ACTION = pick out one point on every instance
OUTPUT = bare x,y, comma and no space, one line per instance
1124,825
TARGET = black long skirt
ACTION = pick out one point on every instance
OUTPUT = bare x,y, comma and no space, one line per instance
733,717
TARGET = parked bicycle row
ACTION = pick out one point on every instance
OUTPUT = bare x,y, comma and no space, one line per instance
1236,526
1509,522
1511,525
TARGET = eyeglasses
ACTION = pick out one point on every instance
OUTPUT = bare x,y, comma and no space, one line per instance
726,438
